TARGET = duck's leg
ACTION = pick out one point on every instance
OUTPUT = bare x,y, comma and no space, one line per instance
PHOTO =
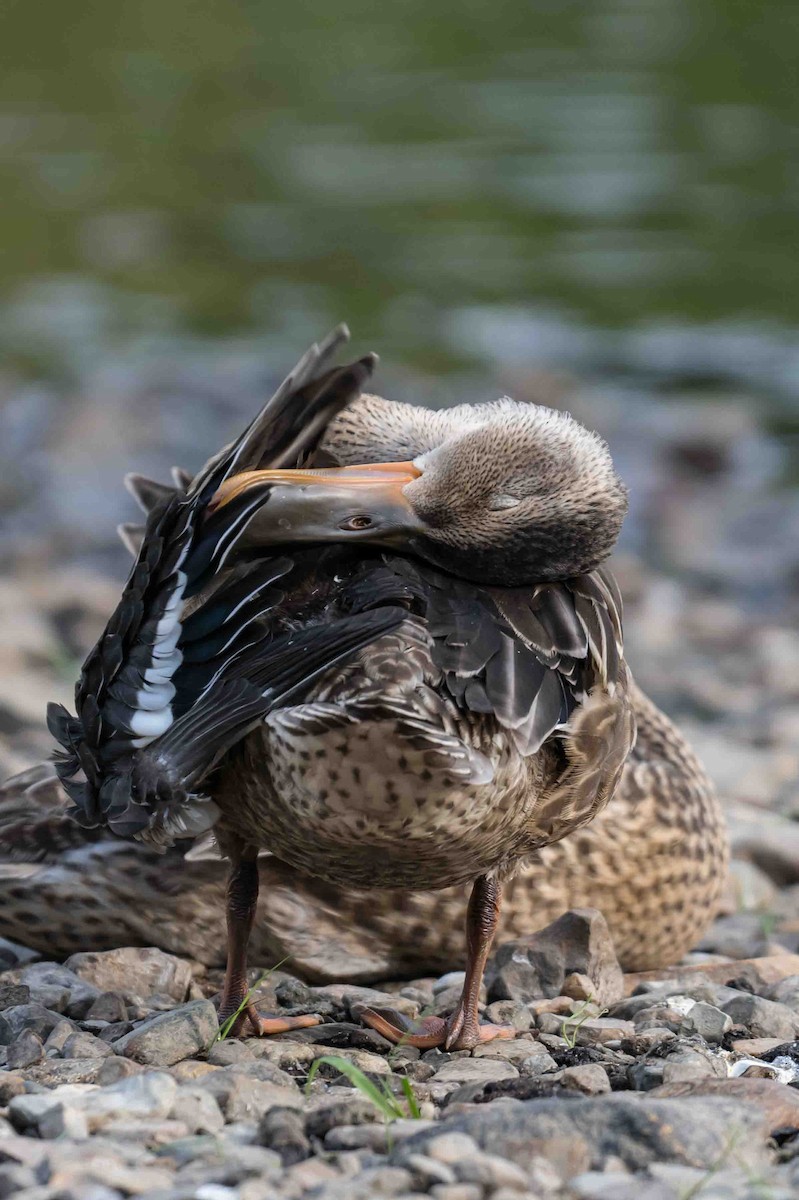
462,1029
242,900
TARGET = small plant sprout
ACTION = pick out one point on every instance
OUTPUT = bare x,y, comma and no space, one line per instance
570,1026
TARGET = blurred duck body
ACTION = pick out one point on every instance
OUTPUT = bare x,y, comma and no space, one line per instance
378,642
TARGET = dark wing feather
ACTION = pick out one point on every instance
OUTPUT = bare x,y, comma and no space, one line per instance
165,775
149,668
147,493
530,656
290,425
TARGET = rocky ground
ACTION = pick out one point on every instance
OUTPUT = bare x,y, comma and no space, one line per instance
115,1082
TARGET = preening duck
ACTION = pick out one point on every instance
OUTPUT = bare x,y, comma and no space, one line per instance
403,670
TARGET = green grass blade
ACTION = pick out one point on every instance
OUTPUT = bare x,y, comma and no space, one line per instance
413,1103
391,1099
386,1104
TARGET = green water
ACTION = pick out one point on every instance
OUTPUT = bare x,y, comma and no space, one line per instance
223,166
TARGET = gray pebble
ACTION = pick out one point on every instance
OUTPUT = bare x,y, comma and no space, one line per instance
514,1051
419,1072
197,1109
764,1018
14,1179
509,1012
31,1016
10,1085
644,1076
58,987
451,1147
53,1072
598,1185
58,1036
596,1031
146,969
228,1052
353,1109
172,1036
48,1114
12,994
283,1131
537,965
25,1050
428,1171
375,1136
150,1094
491,1171
113,1069
457,1191
537,1064
108,1006
242,1098
683,1061
707,1022
85,1045
590,1079
475,1070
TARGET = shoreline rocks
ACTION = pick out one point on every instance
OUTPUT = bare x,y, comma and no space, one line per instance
673,1079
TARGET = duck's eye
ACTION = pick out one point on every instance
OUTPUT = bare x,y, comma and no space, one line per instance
361,521
501,501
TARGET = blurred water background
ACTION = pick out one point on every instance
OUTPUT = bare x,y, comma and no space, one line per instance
593,203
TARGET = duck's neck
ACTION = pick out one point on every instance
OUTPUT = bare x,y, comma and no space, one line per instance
376,430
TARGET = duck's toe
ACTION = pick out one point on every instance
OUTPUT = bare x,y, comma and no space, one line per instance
249,1022
265,1026
425,1033
456,1032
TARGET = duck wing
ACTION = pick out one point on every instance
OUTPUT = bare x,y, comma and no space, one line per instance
170,686
528,656
544,661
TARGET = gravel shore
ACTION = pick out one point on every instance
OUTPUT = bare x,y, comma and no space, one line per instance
115,1083
680,1084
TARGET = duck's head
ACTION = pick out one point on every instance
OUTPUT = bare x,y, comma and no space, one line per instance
505,493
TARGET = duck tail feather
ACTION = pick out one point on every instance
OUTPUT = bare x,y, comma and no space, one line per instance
131,536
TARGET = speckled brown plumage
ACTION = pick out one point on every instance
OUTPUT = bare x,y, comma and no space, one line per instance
654,861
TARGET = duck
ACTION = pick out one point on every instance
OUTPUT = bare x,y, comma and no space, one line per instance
380,642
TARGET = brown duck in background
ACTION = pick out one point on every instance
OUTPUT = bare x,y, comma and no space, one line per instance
495,720
654,861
